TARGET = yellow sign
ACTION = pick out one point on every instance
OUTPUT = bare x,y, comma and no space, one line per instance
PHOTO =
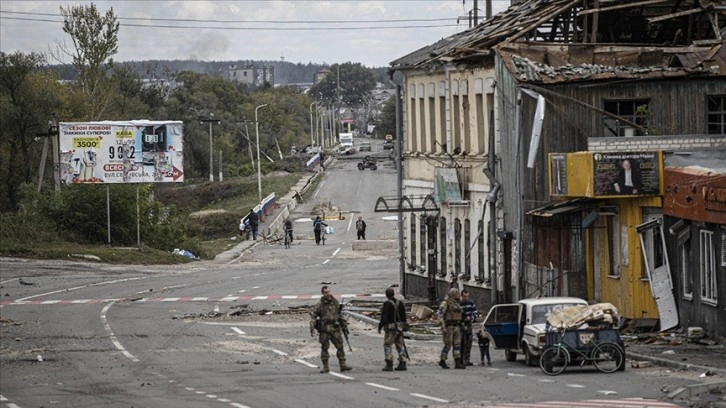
86,142
125,134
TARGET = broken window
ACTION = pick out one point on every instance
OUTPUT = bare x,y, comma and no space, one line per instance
717,114
707,268
457,247
632,110
684,262
413,241
612,226
422,245
443,246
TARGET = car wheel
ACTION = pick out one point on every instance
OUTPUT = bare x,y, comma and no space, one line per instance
510,355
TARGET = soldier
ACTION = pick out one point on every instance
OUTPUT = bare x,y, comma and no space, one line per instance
326,319
469,312
450,316
393,322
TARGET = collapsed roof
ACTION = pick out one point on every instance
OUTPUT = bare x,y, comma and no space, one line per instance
676,35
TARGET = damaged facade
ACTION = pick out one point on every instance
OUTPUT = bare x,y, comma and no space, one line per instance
559,94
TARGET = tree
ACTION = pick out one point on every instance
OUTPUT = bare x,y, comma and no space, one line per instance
28,98
95,41
387,119
356,83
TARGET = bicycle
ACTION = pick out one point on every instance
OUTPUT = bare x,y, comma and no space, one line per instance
583,346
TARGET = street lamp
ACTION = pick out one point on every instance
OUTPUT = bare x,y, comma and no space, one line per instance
259,173
210,120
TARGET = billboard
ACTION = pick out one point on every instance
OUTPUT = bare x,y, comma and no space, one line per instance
632,173
136,151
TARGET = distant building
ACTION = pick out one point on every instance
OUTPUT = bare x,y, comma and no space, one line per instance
320,75
251,75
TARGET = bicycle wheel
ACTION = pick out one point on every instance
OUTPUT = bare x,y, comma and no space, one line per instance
607,357
554,360
287,241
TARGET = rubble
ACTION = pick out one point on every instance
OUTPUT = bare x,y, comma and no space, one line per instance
576,316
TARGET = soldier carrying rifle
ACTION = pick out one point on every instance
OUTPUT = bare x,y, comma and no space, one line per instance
393,321
330,325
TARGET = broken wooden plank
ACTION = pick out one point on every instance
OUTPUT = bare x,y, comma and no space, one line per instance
621,6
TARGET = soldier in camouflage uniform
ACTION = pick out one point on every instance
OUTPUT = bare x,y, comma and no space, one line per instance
328,322
450,317
393,321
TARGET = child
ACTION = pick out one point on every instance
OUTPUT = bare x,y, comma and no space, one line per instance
483,345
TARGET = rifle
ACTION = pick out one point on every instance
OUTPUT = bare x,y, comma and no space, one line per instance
403,341
344,328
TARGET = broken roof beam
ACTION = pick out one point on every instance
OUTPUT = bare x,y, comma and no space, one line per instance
674,15
547,17
621,6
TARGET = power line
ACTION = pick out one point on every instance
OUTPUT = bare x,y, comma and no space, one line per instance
191,20
253,28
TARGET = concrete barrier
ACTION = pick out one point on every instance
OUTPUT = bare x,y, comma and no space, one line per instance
374,245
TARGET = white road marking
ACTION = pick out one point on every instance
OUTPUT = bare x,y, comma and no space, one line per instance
443,401
326,261
317,190
336,252
259,298
112,336
382,386
170,299
282,353
345,377
216,308
223,400
255,287
237,329
236,405
575,386
211,396
608,392
80,287
303,362
228,299
1,397
350,222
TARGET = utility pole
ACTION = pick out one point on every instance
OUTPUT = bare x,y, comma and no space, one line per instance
210,120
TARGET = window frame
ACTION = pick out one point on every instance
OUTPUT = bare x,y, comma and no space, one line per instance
612,127
714,114
707,268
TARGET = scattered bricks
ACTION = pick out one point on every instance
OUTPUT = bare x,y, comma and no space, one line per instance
421,312
640,364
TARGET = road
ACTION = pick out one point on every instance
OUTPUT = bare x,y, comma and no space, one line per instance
235,334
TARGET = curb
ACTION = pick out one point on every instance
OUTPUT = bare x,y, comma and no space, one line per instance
674,364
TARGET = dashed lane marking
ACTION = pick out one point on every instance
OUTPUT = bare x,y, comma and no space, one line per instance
428,397
382,386
225,299
614,403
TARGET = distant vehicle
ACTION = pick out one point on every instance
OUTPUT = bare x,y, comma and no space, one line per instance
346,143
364,147
387,145
367,163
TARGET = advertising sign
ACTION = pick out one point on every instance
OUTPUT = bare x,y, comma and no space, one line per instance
622,174
558,173
137,151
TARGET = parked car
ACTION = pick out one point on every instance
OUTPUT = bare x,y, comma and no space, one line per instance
364,147
387,145
519,328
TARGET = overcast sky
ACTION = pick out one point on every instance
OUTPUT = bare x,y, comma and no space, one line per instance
373,33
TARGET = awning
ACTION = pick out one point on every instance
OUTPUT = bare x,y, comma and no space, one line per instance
561,207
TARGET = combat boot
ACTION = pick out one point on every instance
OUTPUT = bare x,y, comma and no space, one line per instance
326,367
459,364
343,366
401,366
389,365
443,364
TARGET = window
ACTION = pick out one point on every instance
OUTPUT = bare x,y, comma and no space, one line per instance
707,267
717,114
612,228
481,270
653,241
684,263
422,233
457,247
413,241
443,247
635,111
467,249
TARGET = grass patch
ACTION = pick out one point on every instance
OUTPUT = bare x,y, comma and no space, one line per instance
79,252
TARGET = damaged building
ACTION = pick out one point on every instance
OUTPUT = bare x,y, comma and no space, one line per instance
545,137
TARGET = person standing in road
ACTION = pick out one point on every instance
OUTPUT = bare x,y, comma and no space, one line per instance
360,226
287,226
450,316
318,226
327,321
469,314
393,322
254,222
483,339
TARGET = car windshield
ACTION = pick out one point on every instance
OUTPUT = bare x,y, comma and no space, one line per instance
541,312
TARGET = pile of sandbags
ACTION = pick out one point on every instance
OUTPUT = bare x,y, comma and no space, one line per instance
597,315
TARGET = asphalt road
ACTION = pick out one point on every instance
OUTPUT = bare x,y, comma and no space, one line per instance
220,334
